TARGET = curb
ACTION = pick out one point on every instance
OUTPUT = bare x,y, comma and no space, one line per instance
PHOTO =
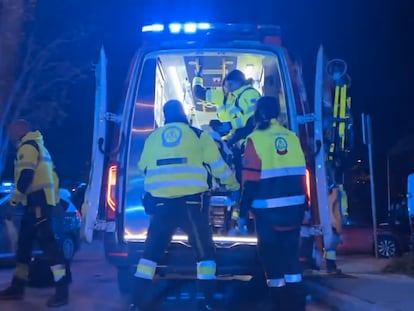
340,301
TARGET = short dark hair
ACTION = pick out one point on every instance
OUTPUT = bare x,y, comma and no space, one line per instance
267,108
236,75
174,112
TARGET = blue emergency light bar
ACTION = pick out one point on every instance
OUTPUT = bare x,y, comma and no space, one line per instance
177,27
192,28
176,31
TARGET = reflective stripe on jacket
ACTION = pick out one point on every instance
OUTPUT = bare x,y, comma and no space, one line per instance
275,162
176,162
241,105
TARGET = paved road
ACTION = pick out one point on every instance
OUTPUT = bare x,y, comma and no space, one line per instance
95,288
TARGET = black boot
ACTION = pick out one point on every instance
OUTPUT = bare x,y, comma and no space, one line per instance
208,288
278,298
68,272
15,291
61,296
296,296
142,298
331,267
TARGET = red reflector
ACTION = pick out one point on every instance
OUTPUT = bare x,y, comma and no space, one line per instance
111,202
308,186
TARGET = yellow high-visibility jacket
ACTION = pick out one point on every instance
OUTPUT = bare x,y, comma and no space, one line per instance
174,160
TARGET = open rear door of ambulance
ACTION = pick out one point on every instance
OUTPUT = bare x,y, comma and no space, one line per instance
91,203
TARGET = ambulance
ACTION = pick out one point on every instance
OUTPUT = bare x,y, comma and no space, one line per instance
162,69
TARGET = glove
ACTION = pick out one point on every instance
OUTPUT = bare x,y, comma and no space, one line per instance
242,222
214,124
234,197
224,128
198,71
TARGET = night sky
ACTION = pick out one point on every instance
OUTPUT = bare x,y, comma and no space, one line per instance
374,37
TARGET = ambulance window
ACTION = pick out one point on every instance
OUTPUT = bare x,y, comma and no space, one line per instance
273,85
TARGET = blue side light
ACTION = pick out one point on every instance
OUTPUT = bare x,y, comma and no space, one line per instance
174,27
153,28
190,27
203,26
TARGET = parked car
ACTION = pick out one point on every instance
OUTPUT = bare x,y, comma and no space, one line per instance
359,238
66,227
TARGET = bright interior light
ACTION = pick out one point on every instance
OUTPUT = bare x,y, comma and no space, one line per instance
153,27
190,27
174,27
175,80
249,71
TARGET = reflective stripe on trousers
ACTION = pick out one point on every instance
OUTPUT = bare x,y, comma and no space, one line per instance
206,270
289,278
145,269
330,254
279,202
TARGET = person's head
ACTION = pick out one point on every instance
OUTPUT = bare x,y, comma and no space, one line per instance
17,129
174,112
234,80
267,108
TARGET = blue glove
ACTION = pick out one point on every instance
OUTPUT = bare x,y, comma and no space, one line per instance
198,71
224,128
234,197
242,222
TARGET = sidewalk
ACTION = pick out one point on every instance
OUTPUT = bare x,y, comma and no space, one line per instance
362,287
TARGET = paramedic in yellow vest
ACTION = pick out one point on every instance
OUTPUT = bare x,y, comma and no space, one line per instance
35,190
334,201
235,104
274,190
214,95
174,162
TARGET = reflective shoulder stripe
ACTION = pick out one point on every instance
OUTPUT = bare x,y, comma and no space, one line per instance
146,269
275,282
279,202
293,278
216,164
206,270
46,159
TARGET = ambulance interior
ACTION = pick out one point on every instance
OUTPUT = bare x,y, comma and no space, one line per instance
168,75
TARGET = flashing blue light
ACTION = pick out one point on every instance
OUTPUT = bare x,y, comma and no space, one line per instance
174,27
153,28
190,27
203,26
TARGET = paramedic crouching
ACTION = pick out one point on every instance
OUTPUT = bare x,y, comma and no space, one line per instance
174,161
273,183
